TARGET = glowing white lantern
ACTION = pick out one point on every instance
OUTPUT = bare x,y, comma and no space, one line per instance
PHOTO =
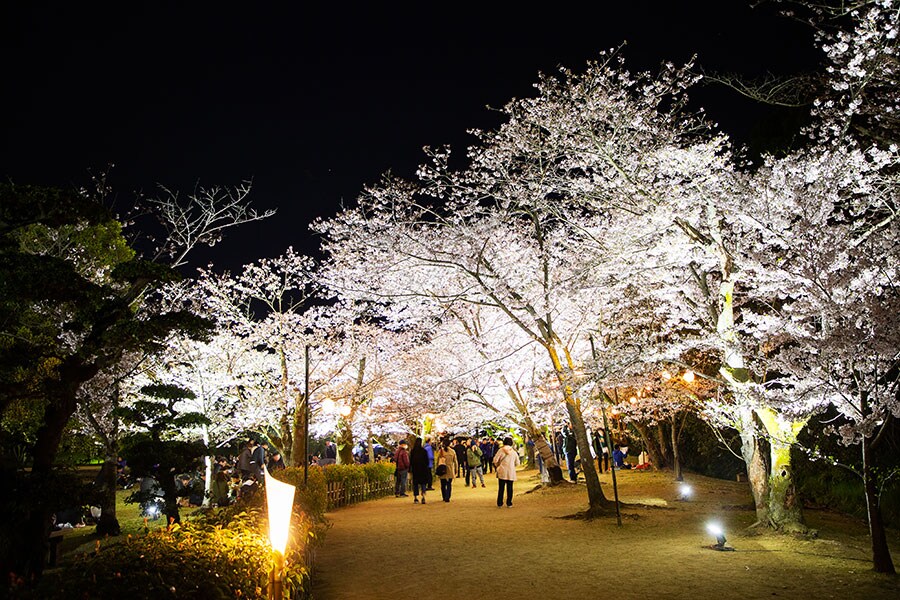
280,503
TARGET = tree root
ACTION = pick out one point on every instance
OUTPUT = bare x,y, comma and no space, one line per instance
797,530
601,513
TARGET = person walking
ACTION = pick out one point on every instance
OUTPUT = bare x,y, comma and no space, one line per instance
571,446
447,468
401,470
461,458
506,460
601,450
421,473
429,450
473,457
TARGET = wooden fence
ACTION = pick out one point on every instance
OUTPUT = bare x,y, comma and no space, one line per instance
342,493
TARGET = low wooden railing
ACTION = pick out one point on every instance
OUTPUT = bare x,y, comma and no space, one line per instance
342,493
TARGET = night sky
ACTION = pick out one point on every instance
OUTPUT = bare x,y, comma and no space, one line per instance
314,103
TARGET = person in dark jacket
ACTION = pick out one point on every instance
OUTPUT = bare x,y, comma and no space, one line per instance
276,462
258,458
401,470
460,449
487,453
245,461
571,445
421,472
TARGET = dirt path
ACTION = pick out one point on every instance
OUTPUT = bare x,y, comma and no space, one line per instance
469,549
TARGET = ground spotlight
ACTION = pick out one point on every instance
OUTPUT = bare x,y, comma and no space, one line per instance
716,530
685,492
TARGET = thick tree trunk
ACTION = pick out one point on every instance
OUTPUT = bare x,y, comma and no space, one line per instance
597,502
370,448
295,454
881,554
345,441
166,483
49,435
657,457
676,459
757,470
530,462
785,509
108,523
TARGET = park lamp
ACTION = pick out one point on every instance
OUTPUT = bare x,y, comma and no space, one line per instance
716,530
686,491
345,410
280,505
688,376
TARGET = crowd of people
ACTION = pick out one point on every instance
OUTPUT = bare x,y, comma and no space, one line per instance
449,458
455,458
565,446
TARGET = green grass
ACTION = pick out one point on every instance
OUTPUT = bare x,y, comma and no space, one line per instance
130,520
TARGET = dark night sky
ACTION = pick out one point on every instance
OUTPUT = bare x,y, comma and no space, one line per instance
313,103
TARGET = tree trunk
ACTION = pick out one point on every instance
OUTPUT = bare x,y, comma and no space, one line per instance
785,509
598,504
108,523
49,435
651,446
757,470
881,554
295,454
345,441
530,462
166,481
370,448
676,459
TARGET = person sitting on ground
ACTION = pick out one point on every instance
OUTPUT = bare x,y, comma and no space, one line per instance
619,458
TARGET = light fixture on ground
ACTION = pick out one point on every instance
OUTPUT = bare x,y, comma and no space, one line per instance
719,533
279,504
685,492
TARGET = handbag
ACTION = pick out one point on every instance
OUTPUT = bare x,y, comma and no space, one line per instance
441,469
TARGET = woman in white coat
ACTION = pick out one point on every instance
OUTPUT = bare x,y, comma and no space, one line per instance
505,462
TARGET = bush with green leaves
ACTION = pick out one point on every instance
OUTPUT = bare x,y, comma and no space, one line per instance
218,554
312,496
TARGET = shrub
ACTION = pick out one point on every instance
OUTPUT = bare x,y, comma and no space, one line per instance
312,497
219,553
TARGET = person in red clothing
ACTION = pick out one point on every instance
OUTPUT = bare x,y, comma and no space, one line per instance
401,470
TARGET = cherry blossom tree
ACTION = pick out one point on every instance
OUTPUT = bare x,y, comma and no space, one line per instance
266,304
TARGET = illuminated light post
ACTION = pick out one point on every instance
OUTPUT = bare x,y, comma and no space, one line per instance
688,376
344,410
279,505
